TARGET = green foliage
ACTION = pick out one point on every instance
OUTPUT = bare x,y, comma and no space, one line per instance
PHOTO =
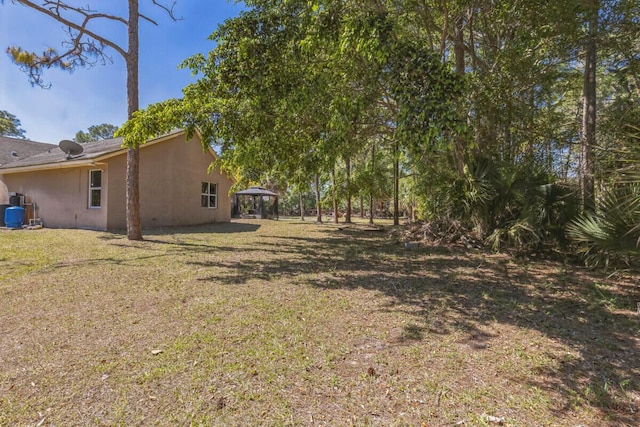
81,53
96,133
164,117
425,91
610,237
516,205
371,175
291,91
296,89
10,125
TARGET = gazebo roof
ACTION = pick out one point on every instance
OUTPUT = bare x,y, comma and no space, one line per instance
256,191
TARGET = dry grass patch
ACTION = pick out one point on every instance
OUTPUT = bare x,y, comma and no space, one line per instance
293,323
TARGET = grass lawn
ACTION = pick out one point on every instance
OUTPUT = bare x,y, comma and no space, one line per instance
293,323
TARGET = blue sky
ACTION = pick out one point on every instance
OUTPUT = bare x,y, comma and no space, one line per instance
98,95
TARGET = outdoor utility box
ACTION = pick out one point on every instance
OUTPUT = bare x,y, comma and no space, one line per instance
14,217
16,199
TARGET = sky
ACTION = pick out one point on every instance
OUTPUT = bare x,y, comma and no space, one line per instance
97,95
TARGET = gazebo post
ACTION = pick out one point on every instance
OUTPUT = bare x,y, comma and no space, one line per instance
276,208
236,207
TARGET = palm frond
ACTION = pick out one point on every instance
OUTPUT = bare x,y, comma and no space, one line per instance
610,235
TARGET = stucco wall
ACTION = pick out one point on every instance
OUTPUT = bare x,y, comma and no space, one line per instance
61,197
173,197
171,173
116,198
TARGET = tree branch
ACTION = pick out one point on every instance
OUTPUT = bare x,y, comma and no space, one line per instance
146,18
80,52
168,9
53,11
55,6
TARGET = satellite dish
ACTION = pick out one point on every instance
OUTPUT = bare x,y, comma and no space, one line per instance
70,148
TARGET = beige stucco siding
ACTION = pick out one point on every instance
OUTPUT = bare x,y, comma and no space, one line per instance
171,173
61,196
173,197
117,197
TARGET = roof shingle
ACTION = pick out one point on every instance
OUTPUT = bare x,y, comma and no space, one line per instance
13,150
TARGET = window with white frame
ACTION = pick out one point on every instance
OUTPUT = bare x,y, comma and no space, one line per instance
95,189
209,195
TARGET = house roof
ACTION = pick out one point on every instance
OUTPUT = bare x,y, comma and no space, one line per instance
13,149
256,191
55,158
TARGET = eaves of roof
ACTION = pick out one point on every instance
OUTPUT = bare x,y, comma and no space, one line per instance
94,152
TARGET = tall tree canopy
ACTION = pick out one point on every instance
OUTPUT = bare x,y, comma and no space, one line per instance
96,133
10,125
293,88
484,112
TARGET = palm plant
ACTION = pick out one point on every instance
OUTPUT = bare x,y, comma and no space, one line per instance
517,205
610,236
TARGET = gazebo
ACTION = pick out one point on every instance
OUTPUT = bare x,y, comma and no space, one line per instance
257,202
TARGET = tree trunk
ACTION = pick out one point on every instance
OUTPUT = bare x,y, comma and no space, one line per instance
347,215
301,208
371,209
318,208
589,112
458,45
373,168
335,196
134,226
458,50
362,215
396,183
567,164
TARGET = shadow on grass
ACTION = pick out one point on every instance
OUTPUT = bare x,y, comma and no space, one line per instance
167,241
213,228
448,290
443,291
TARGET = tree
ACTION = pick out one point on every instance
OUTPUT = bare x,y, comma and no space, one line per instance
263,95
299,90
10,125
86,47
96,133
587,167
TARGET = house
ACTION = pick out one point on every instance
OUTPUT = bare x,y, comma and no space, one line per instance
88,190
14,149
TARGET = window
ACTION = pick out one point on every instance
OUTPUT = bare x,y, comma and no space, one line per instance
209,195
95,189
